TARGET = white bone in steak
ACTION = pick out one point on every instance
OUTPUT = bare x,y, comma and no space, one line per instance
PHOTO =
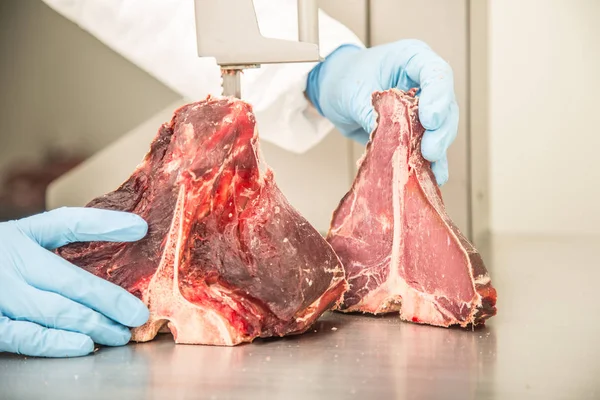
400,250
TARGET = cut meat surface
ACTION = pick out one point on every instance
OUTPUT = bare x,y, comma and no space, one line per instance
226,258
400,250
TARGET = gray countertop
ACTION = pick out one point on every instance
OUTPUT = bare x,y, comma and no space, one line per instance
543,344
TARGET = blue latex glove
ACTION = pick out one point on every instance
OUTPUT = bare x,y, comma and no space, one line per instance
340,87
51,308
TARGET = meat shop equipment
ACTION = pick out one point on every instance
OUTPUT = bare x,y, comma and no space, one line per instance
228,31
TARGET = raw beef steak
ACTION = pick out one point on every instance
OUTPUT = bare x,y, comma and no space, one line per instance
400,250
226,258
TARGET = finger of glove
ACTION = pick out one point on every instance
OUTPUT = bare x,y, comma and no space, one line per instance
362,107
440,171
21,302
367,121
435,143
436,81
49,272
66,225
27,338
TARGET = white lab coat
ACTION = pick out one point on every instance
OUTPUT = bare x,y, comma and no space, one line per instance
159,36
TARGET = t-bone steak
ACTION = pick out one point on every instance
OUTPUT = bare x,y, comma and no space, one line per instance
400,250
226,258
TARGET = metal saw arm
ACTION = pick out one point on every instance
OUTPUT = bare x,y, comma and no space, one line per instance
228,31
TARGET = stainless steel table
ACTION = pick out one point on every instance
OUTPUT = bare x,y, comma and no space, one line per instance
543,344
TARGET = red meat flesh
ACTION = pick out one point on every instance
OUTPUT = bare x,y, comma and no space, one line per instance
400,250
226,258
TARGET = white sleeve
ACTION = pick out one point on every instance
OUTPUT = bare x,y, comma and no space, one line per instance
160,37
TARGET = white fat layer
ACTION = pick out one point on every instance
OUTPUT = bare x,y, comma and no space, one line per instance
482,280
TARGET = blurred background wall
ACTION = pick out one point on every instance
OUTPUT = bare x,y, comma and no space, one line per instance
544,118
526,83
64,96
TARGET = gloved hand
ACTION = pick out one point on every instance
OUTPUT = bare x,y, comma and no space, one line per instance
341,86
51,308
